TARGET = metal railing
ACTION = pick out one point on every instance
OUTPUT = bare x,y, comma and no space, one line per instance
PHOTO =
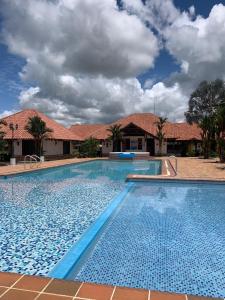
32,160
176,164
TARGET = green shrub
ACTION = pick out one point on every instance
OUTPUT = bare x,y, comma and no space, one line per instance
89,148
191,153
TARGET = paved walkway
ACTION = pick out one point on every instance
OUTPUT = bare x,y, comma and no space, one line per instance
200,168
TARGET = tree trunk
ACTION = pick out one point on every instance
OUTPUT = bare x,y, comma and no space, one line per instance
114,146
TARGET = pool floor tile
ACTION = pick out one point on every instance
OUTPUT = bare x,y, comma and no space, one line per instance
62,287
13,294
166,296
130,294
32,283
53,297
8,279
99,292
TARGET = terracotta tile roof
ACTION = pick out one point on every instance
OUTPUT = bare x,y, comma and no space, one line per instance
186,131
21,118
85,130
145,121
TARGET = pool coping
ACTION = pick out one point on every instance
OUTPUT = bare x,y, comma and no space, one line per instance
75,252
136,178
18,286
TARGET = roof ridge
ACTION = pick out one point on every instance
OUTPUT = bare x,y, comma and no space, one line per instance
19,112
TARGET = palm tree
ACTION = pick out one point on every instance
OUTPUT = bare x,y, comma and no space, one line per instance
38,129
220,131
115,136
160,134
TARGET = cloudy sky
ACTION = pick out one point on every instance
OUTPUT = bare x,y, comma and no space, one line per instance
97,60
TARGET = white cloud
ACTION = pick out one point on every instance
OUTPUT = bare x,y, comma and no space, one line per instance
158,13
197,43
6,113
199,46
104,100
82,37
83,56
167,101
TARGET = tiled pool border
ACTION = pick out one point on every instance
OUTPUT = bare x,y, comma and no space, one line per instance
17,286
75,253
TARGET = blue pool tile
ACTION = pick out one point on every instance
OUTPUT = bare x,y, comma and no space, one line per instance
44,213
165,236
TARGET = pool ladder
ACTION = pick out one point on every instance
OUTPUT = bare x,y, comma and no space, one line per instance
176,165
32,160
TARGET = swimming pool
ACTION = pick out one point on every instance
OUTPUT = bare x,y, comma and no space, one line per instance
44,213
166,236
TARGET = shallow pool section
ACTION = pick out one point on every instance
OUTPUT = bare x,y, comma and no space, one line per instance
44,213
166,236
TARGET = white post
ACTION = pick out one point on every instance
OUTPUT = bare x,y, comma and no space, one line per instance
12,161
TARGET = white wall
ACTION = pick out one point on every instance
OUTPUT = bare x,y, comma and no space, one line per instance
53,147
107,146
164,147
17,147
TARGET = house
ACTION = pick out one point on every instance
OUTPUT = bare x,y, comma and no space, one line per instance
140,135
59,144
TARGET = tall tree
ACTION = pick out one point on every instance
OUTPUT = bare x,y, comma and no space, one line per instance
115,136
38,129
160,134
208,128
205,100
203,105
220,132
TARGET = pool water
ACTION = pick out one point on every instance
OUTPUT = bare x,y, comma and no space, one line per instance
44,213
167,236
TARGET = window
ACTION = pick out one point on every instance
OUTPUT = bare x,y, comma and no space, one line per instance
133,145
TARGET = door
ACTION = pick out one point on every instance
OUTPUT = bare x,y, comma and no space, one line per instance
151,146
127,144
66,147
28,147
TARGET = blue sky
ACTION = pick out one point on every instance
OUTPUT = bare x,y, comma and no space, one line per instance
11,65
